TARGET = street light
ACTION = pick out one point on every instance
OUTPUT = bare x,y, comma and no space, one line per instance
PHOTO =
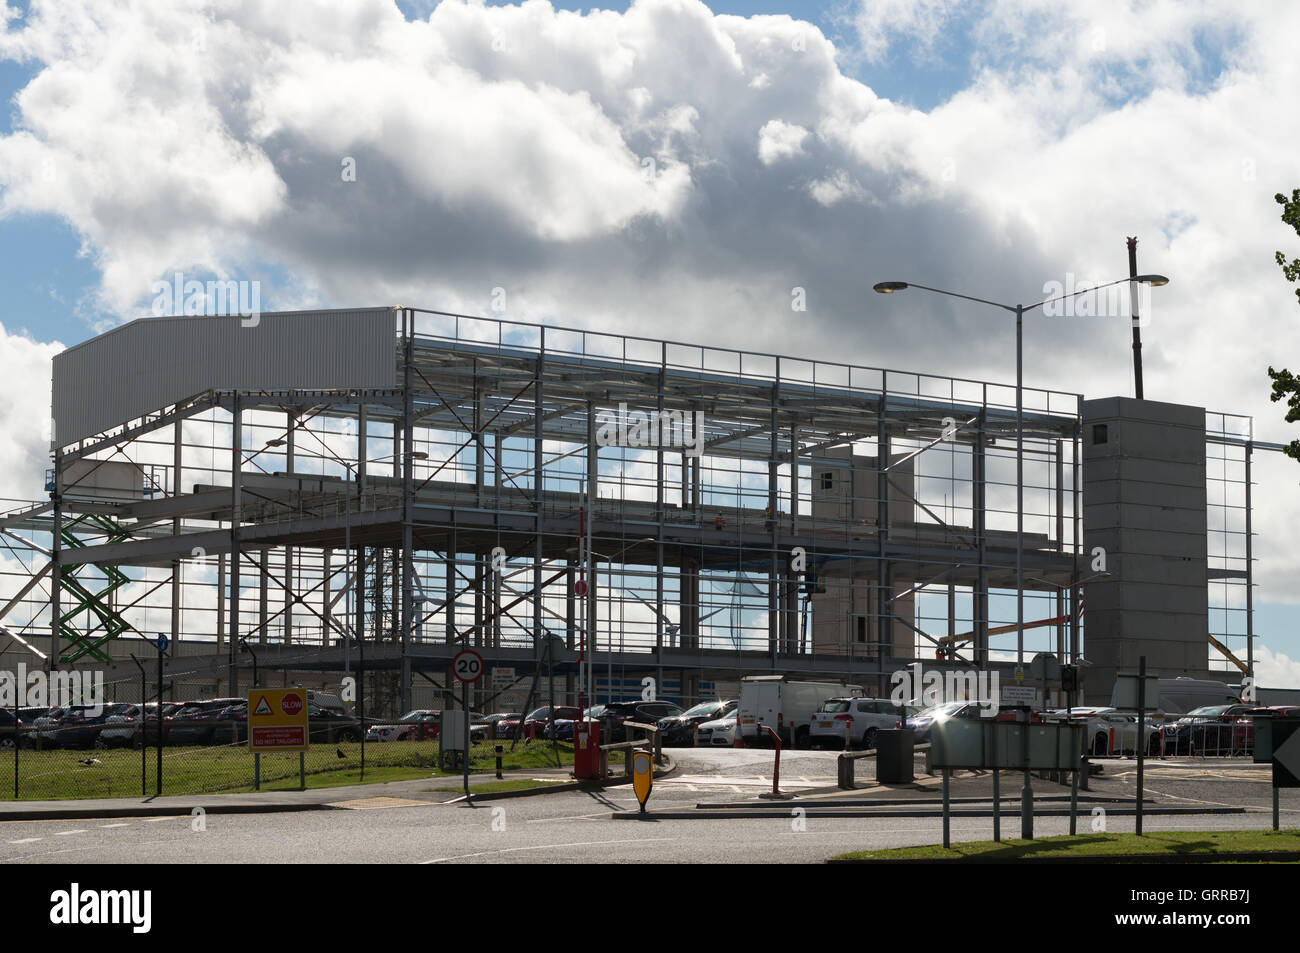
890,287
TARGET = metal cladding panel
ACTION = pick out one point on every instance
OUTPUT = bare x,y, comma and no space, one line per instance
152,363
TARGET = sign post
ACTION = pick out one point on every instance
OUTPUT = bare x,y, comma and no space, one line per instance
467,666
1286,759
1135,691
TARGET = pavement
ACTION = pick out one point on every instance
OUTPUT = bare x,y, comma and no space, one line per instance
408,822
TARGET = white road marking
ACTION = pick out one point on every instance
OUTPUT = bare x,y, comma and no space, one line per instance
588,843
155,820
114,825
25,840
67,833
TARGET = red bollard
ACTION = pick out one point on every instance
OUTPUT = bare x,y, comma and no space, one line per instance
776,767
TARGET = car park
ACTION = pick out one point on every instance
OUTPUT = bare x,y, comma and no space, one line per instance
851,719
680,729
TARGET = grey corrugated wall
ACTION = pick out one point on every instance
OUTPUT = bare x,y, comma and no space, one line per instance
152,363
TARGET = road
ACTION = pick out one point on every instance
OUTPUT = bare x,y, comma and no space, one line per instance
575,826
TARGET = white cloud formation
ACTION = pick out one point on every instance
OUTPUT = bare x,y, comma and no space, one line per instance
666,171
1276,669
779,140
25,413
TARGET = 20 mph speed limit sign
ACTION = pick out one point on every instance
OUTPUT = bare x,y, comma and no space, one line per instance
467,665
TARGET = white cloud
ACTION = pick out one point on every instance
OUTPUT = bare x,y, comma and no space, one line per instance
779,140
603,169
1276,669
25,413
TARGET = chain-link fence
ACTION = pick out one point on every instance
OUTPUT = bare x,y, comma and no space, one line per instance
116,754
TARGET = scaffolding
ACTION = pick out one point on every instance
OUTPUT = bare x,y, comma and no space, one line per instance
748,512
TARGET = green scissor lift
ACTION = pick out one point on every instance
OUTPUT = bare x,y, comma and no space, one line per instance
111,624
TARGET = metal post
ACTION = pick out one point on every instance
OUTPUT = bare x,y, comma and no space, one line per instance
236,517
1137,330
947,840
997,784
1027,791
1141,734
1074,794
1276,812
408,515
302,770
144,748
158,780
1250,573
464,704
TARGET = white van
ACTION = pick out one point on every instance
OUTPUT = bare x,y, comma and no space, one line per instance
1180,695
785,705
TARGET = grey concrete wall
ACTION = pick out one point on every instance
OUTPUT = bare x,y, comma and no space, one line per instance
1144,503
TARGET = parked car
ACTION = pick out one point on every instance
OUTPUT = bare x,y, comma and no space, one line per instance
147,730
613,716
423,723
680,729
720,733
78,726
1215,730
923,721
24,736
327,725
196,723
857,719
10,730
120,729
538,721
562,730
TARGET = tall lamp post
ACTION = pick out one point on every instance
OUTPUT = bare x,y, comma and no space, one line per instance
890,287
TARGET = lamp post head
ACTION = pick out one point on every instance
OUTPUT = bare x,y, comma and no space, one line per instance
1155,281
888,287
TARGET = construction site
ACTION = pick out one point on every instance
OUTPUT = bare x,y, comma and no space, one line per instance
313,495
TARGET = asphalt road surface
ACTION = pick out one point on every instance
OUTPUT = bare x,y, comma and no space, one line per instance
577,826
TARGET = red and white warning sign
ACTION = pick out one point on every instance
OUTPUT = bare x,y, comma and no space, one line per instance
277,720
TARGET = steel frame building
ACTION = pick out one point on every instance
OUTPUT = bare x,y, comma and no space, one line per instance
312,488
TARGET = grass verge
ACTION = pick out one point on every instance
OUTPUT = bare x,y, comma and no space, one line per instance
121,772
1193,845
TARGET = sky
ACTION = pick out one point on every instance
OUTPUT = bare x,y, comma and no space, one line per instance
677,169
